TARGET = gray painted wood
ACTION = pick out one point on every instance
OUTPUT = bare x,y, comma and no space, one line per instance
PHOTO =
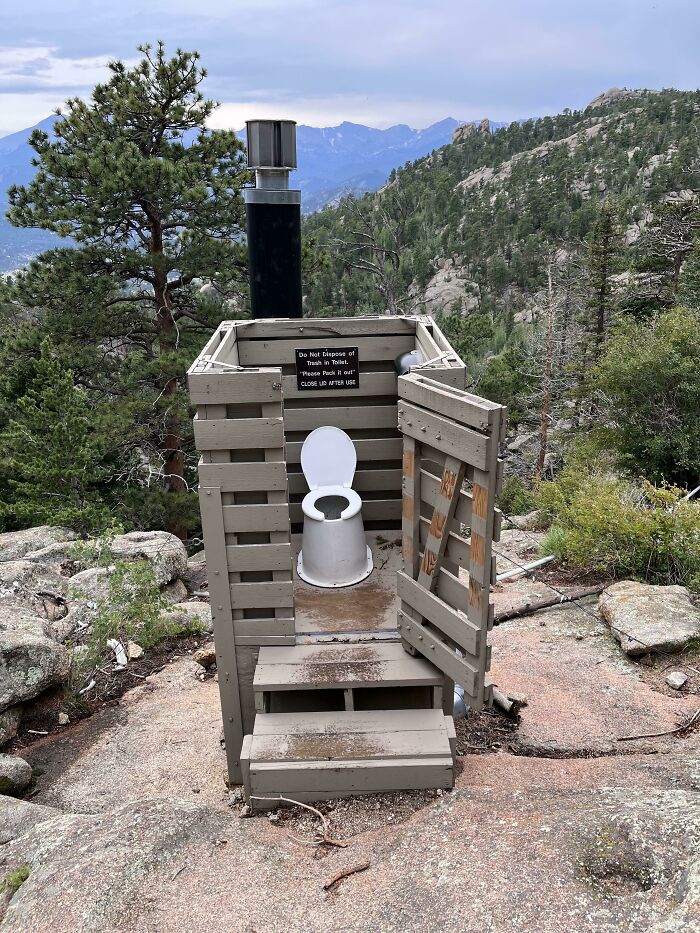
364,721
338,778
341,416
262,595
245,557
426,640
373,510
329,328
222,618
367,449
229,387
464,408
262,517
363,481
452,622
281,352
238,433
244,477
438,533
446,435
372,385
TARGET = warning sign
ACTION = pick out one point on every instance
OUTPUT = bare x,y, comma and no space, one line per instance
328,368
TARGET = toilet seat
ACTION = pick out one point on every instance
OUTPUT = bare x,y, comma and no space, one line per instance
308,505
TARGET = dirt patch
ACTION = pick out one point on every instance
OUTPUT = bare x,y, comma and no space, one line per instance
326,747
41,717
341,672
358,609
352,816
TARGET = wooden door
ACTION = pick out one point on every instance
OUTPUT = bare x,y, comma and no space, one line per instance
451,476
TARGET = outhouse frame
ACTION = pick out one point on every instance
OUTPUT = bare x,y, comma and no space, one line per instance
251,419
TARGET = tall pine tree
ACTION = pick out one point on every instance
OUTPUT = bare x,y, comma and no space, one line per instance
151,199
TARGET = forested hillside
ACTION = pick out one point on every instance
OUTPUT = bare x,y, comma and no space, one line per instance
551,251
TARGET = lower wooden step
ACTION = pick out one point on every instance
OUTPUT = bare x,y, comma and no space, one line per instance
316,756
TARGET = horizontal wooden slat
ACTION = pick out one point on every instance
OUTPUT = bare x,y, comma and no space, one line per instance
350,746
281,352
243,557
373,510
252,641
362,721
328,328
235,388
345,417
444,434
262,595
457,554
363,481
452,591
371,384
256,518
332,653
238,433
379,448
335,778
244,477
319,675
428,643
452,622
462,407
260,628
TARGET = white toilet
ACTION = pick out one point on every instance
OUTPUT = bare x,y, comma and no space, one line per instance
334,551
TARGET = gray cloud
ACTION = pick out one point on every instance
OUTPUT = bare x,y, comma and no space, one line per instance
388,60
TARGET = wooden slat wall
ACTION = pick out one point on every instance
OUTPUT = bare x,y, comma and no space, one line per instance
453,610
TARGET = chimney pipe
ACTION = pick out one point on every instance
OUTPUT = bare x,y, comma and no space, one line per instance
273,219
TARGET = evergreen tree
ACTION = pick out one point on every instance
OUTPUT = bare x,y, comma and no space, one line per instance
151,199
55,452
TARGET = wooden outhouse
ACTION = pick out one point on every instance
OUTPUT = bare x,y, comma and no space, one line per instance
332,692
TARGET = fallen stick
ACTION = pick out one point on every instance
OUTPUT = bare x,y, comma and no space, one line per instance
344,873
509,705
525,569
545,603
325,837
655,735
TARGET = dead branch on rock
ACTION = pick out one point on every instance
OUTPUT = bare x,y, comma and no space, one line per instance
325,837
688,724
344,873
546,603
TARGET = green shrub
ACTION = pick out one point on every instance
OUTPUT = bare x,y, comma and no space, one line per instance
515,498
605,523
14,880
134,607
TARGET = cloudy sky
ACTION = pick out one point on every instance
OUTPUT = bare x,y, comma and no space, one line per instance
368,61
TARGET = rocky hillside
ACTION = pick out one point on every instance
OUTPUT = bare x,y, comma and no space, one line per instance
482,211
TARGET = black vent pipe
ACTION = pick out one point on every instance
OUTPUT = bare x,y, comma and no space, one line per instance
273,219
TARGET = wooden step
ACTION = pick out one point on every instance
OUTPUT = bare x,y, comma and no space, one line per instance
317,756
324,667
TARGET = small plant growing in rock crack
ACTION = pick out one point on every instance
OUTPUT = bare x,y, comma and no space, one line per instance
15,879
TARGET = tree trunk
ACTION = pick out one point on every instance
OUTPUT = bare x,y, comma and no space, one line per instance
546,376
171,441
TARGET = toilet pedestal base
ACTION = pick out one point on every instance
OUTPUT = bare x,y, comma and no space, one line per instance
334,553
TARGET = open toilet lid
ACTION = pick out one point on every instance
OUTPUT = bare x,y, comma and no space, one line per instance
328,458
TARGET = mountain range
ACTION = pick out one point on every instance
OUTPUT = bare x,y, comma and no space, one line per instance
333,161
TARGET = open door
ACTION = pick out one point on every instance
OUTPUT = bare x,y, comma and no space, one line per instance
451,476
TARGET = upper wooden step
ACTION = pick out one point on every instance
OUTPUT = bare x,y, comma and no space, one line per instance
344,666
310,756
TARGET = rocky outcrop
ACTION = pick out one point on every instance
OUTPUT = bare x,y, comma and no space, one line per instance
165,553
42,588
15,774
175,591
646,618
191,615
9,723
460,133
91,584
196,576
16,544
30,660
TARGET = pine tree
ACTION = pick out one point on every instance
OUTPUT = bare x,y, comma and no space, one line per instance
151,199
55,452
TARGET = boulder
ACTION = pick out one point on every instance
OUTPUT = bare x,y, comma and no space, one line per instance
15,774
175,591
165,552
196,576
42,588
9,723
63,555
206,655
193,615
16,544
644,618
30,660
91,584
